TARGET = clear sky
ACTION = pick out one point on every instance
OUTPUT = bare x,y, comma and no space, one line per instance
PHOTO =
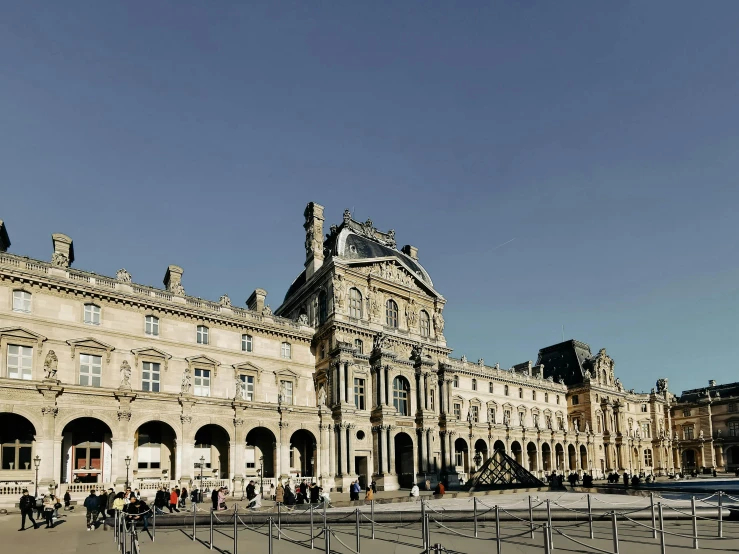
602,136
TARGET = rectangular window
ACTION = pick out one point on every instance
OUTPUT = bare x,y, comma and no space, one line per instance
250,457
732,407
688,432
286,350
522,419
359,393
506,417
644,411
491,415
648,458
474,384
645,430
432,393
202,382
21,301
247,343
92,314
20,362
475,414
150,377
91,370
202,334
686,412
151,325
533,395
734,428
575,400
359,346
458,410
247,384
287,391
490,388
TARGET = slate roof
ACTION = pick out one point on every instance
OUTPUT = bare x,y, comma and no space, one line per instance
567,360
728,390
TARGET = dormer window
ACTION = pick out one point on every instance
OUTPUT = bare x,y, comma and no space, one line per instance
22,301
92,314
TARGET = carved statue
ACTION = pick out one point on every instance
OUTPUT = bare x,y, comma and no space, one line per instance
619,385
225,301
373,302
123,276
391,238
125,375
283,393
700,435
321,396
438,322
186,382
416,352
588,375
347,216
497,365
303,319
267,310
59,259
380,341
339,291
177,288
662,385
50,365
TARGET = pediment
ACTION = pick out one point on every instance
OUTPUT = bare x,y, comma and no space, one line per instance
285,374
492,403
151,352
248,367
23,334
92,344
457,397
393,270
202,360
475,401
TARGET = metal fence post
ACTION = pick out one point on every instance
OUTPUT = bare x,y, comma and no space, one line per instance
615,532
549,521
356,513
279,520
651,506
438,549
531,517
497,528
661,529
194,516
372,514
428,532
547,547
327,541
269,541
720,516
324,512
211,528
695,523
236,529
474,513
311,529
423,525
115,526
590,517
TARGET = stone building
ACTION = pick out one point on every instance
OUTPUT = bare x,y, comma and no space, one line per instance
105,380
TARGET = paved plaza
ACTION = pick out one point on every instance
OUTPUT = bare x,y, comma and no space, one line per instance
569,516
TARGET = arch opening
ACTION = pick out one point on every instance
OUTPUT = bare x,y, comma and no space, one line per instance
303,453
404,459
261,456
17,440
87,451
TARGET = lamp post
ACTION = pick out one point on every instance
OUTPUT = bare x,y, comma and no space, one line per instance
36,464
128,466
260,472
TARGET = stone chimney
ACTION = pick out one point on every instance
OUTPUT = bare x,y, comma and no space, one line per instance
711,382
255,302
410,251
4,238
173,280
313,238
63,255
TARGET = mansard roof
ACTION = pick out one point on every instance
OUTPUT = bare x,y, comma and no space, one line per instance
566,360
717,392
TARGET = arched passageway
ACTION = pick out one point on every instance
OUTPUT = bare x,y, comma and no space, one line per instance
303,453
583,457
559,455
546,457
260,452
499,445
17,440
690,459
572,454
154,451
87,451
517,452
404,459
212,444
481,453
531,456
461,454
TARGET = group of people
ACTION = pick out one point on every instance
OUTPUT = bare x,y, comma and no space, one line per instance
46,506
304,493
173,499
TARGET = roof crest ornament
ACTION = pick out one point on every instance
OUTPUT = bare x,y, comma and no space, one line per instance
368,230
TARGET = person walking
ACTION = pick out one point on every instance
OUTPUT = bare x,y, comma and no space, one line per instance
138,511
103,506
173,501
92,506
119,503
183,498
27,504
49,511
109,503
67,501
369,495
280,493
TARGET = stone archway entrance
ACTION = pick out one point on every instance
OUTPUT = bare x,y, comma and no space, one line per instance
404,459
260,453
87,451
17,437
212,443
303,453
154,451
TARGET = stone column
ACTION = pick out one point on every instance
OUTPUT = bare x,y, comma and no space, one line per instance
348,378
350,449
422,449
339,382
391,450
381,381
284,450
238,446
187,450
448,388
383,448
539,466
340,460
45,447
330,449
451,462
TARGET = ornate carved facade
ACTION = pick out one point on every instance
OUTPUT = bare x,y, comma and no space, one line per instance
351,377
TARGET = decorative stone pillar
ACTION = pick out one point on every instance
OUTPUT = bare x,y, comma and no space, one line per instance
340,458
186,450
284,451
391,449
422,450
451,462
330,449
383,449
539,466
237,462
350,449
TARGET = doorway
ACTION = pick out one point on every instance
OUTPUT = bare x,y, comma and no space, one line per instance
361,466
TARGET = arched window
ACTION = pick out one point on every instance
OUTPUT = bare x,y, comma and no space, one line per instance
456,381
505,390
520,393
401,392
359,345
151,325
21,301
490,387
355,303
546,397
391,313
202,334
247,343
474,384
322,307
425,323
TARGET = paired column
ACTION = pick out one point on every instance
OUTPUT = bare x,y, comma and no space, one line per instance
539,466
391,450
383,448
348,381
350,449
422,450
339,382
284,450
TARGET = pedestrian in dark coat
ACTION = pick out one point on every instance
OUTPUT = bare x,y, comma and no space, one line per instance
27,504
214,498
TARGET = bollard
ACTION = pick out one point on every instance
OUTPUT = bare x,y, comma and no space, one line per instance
720,516
428,532
615,532
549,521
590,517
438,548
661,529
695,523
547,530
531,518
423,525
372,514
311,529
115,526
356,513
327,541
651,506
269,541
279,520
236,531
497,528
474,513
211,528
194,522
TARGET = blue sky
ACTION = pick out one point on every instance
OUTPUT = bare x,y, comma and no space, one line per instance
602,137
